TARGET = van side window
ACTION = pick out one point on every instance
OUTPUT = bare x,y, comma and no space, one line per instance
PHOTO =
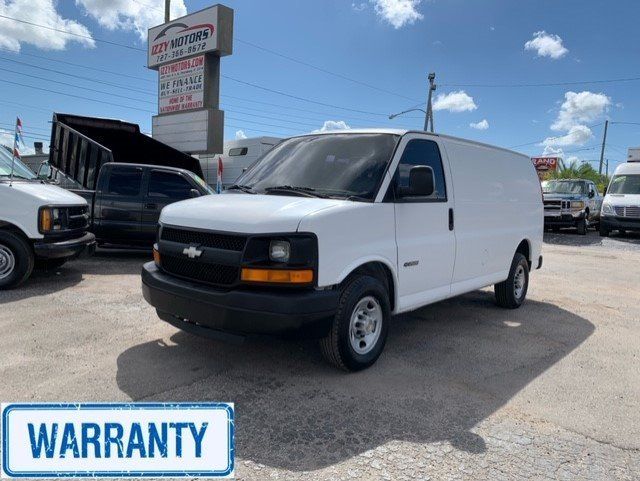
125,182
422,152
169,186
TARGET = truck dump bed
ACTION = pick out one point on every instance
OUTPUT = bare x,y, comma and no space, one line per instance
81,145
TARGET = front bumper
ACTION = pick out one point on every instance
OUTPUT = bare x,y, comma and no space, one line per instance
70,248
564,219
616,223
204,310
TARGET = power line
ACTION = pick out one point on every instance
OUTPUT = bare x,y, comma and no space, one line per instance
552,84
39,67
625,123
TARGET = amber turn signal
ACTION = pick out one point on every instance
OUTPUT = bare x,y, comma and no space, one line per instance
277,276
156,256
45,220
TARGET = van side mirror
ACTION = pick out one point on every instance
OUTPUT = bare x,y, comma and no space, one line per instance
194,193
44,171
592,194
421,182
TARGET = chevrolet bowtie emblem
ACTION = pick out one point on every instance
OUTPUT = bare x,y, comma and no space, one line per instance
192,252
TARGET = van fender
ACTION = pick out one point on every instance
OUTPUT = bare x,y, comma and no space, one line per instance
372,258
15,226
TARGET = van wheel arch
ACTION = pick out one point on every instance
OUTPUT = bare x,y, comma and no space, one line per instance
378,270
524,248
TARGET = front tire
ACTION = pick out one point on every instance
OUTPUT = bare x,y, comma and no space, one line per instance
582,226
16,260
512,292
359,329
604,232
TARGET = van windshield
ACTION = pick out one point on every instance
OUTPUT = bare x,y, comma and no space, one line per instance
20,171
625,184
337,165
564,187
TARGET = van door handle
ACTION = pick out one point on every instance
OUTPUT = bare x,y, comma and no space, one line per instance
450,219
151,206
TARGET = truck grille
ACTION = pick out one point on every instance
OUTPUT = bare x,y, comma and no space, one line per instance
215,274
78,217
627,211
556,204
207,239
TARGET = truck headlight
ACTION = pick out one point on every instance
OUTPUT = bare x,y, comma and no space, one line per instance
607,209
279,251
577,205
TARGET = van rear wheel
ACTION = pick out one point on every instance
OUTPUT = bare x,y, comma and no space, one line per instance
359,329
16,260
512,292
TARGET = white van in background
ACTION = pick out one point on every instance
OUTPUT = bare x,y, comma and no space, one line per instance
330,234
621,206
237,156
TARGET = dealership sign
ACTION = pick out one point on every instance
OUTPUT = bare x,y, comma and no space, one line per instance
118,440
186,53
205,31
181,85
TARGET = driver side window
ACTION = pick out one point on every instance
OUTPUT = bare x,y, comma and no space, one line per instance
421,152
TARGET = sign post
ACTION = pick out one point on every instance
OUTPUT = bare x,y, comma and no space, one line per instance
186,53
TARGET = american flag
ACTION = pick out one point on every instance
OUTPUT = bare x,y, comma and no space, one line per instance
219,180
19,141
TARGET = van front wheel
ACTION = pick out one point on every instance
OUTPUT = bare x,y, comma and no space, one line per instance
16,260
359,329
512,292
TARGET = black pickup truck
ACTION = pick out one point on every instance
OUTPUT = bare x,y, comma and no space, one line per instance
126,204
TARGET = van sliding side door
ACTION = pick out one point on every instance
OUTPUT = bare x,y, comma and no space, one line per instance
425,235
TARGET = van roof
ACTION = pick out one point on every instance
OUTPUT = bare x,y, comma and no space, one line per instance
628,168
407,131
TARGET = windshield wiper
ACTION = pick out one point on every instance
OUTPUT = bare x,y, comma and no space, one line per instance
244,188
306,191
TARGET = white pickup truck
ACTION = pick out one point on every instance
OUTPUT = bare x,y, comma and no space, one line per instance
331,234
40,224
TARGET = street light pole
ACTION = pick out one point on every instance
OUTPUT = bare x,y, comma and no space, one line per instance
429,113
604,141
167,11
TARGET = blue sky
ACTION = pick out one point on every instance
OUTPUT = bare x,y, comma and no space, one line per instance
387,44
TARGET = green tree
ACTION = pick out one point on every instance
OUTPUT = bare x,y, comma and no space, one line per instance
578,170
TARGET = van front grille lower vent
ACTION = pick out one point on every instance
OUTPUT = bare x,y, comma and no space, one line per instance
215,274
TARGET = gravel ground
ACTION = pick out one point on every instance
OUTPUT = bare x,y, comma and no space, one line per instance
464,390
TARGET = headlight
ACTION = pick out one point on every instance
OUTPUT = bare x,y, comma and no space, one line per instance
52,219
279,251
577,205
607,209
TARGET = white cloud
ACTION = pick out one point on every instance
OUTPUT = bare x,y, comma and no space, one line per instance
359,7
546,45
7,138
333,125
551,150
240,135
577,135
458,101
482,125
129,14
579,108
41,12
398,13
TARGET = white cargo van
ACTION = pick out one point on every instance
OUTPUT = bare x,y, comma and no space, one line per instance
621,205
238,155
40,224
331,234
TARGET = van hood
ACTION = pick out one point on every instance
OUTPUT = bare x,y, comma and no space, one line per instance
245,213
45,194
623,199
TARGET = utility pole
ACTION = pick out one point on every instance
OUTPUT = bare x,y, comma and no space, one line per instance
167,10
429,114
604,141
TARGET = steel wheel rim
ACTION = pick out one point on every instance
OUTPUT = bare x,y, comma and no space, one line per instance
7,262
365,325
519,282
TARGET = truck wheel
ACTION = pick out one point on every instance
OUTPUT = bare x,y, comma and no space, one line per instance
16,260
604,232
512,292
582,227
50,264
359,329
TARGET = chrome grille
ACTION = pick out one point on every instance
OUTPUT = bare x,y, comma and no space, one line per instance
627,211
